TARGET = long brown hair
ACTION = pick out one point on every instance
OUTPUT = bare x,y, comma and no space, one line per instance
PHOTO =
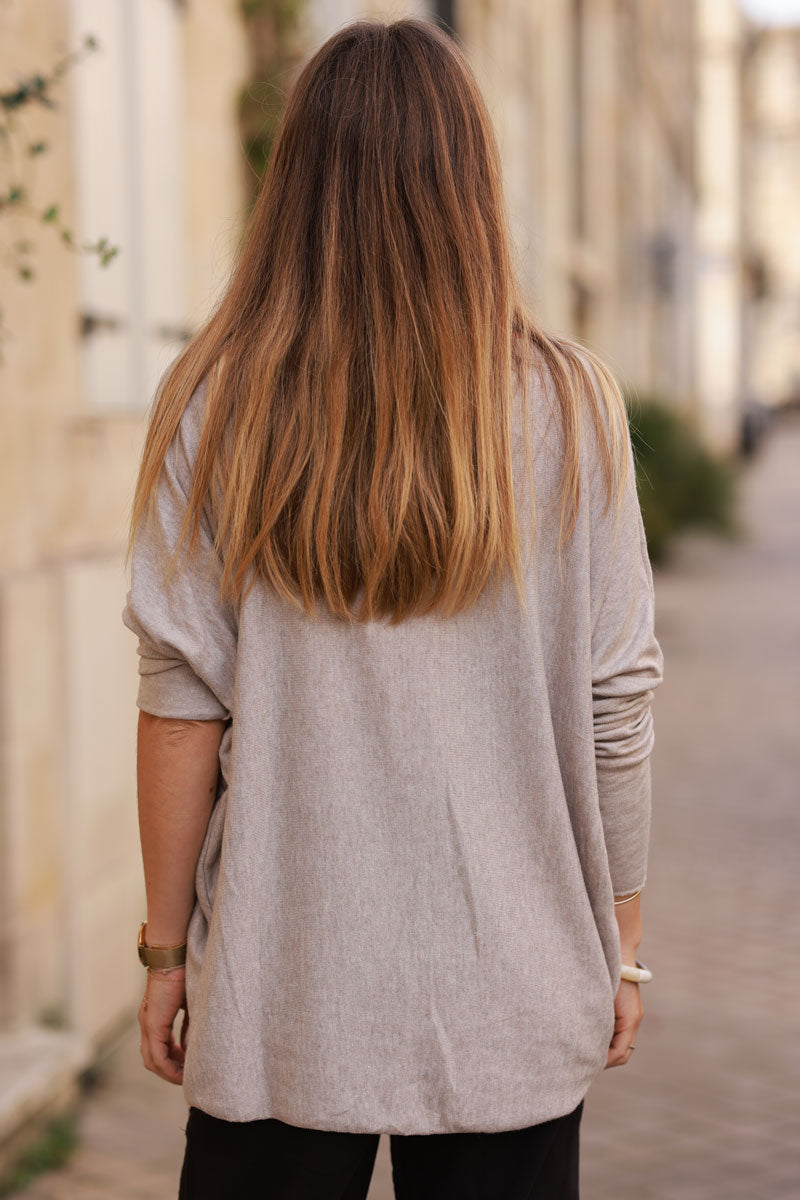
362,362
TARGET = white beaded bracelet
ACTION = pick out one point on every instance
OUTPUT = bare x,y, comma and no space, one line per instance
637,974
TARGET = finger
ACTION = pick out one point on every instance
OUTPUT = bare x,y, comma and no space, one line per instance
162,1064
176,1051
616,1062
157,1048
622,1043
144,1050
620,1050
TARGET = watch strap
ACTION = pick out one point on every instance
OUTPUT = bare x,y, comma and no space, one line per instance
160,956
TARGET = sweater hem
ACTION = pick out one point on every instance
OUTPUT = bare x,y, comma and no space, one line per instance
304,1120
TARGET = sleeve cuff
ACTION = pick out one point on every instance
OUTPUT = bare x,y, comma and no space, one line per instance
625,806
170,688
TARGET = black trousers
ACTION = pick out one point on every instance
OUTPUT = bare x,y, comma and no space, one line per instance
270,1160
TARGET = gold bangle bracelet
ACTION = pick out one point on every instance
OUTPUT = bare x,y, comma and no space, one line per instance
627,898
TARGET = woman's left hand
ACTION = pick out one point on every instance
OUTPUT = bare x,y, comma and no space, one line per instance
164,997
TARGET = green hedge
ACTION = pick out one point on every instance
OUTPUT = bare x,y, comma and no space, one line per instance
681,484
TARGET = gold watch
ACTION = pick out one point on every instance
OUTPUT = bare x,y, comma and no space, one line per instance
160,956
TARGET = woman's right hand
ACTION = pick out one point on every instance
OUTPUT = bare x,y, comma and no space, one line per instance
628,1013
628,1010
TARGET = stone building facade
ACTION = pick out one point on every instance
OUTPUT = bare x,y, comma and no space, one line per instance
143,149
771,176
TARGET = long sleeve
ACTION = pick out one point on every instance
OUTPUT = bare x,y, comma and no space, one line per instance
627,665
187,638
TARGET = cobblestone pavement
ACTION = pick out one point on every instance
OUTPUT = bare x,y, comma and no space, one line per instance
709,1106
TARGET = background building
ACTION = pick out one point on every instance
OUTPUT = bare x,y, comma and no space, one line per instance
143,148
771,189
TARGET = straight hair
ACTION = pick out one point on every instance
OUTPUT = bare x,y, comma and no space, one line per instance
362,362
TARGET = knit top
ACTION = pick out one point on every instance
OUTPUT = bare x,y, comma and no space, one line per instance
404,917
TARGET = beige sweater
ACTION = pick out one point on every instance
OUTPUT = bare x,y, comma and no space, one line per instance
404,919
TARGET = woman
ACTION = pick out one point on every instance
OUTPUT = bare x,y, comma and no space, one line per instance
386,809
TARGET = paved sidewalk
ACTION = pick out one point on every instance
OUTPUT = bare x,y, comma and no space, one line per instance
131,1128
709,1106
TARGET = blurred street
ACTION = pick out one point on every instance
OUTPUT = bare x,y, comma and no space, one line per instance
709,1106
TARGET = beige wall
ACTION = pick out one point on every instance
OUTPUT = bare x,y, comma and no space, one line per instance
39,393
771,191
719,29
594,108
71,886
